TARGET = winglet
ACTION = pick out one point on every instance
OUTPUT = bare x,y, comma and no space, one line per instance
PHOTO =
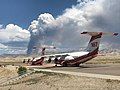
101,33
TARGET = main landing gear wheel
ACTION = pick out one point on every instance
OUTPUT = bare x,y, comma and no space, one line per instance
77,64
64,64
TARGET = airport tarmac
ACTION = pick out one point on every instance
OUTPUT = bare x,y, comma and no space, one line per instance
105,69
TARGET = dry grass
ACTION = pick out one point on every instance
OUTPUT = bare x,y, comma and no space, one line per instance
51,81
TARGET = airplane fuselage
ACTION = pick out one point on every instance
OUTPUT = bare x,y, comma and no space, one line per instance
76,58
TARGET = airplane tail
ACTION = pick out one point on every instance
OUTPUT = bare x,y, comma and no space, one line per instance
93,45
43,51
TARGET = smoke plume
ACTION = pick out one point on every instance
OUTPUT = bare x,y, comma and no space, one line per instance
64,31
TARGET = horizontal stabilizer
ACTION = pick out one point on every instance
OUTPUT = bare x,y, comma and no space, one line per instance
99,33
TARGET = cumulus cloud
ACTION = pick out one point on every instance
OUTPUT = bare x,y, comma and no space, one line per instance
64,31
6,49
3,46
13,39
13,33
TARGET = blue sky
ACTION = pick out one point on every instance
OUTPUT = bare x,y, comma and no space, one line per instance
22,12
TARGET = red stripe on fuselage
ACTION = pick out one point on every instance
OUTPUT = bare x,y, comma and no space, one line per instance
83,58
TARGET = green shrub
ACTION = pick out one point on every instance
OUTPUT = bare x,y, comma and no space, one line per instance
22,70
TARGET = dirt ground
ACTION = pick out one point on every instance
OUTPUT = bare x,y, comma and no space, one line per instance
52,81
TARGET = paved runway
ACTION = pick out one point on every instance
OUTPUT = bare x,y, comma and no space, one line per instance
105,69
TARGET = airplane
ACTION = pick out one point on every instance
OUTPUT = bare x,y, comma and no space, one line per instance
76,58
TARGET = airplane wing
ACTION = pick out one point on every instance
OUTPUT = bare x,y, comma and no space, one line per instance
74,54
54,55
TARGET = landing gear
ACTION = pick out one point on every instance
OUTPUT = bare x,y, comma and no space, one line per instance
64,64
77,64
56,61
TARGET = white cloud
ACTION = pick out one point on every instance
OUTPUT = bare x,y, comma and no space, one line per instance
13,33
3,46
1,26
11,50
88,15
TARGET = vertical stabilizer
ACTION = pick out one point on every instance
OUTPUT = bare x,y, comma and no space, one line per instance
93,45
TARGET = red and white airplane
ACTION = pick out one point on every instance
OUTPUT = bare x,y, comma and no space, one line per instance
76,58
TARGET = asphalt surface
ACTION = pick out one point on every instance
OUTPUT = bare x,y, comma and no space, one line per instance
105,69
